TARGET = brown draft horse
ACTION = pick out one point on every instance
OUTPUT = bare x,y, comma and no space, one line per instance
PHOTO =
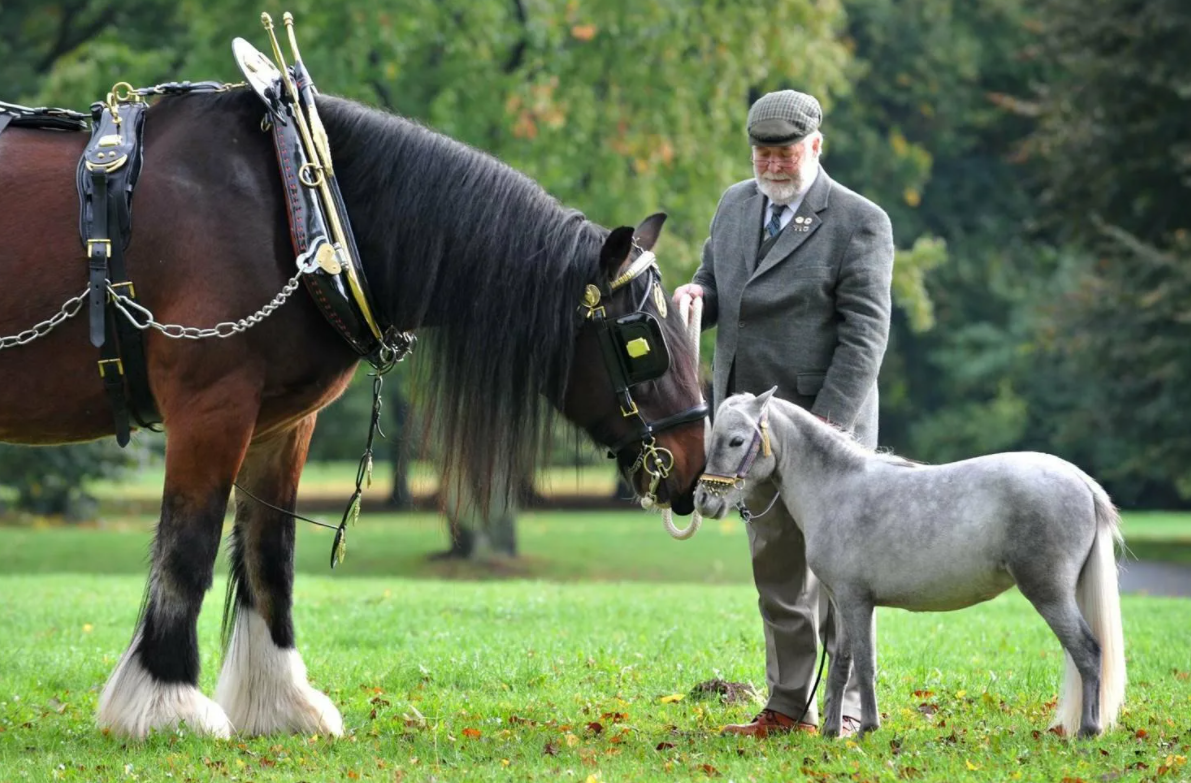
477,257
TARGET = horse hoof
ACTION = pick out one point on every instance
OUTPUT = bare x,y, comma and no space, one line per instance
1091,730
134,704
264,688
170,708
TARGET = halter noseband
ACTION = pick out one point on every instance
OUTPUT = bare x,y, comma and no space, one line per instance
634,351
718,485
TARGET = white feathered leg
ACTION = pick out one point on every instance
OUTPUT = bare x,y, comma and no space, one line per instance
133,703
263,688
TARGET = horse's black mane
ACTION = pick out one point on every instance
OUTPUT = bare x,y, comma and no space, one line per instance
453,239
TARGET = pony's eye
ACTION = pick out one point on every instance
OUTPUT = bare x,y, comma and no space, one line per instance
737,441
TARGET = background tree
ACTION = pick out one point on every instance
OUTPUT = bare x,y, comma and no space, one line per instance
53,481
1114,164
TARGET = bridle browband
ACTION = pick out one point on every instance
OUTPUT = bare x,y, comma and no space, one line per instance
634,350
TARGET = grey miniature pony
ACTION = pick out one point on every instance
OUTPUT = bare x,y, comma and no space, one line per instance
883,531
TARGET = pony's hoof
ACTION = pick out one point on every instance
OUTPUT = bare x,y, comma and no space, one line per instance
1090,730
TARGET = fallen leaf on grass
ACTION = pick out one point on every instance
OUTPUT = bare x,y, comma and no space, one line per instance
595,727
664,746
673,697
550,749
471,733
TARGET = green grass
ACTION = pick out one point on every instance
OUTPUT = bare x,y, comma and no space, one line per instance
510,676
580,546
577,546
322,479
603,617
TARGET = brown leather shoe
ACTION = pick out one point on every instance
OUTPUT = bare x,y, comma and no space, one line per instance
768,722
848,726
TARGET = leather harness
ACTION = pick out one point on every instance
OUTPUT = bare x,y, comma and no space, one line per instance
107,173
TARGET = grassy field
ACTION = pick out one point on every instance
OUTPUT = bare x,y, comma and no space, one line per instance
323,479
575,663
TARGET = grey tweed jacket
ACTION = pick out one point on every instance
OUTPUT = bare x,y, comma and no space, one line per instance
812,316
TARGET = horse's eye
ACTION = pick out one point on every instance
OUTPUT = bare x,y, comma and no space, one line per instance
737,441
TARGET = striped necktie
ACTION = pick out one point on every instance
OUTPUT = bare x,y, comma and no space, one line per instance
775,223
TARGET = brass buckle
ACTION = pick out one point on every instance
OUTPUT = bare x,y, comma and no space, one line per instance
119,366
131,289
107,244
629,413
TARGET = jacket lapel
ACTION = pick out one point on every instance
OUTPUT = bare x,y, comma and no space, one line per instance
805,222
749,221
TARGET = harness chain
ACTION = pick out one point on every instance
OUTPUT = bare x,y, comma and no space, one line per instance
222,330
73,305
69,310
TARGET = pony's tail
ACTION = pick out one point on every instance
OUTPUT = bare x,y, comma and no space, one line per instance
1099,600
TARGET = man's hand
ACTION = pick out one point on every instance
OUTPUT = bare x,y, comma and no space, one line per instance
693,290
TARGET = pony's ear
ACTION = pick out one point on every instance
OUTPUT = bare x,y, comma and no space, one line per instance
616,250
763,399
649,230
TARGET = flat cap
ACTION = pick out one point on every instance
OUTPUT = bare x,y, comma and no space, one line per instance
783,117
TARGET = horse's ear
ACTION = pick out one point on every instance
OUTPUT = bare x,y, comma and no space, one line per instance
616,250
649,230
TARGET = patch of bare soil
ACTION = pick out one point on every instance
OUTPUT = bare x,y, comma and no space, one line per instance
728,692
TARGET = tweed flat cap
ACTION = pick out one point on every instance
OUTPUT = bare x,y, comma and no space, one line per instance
783,117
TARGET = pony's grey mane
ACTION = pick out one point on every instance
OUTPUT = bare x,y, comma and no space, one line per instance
834,440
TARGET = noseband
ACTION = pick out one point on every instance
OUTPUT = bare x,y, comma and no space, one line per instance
717,485
634,350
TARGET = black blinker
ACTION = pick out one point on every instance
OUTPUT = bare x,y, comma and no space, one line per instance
642,347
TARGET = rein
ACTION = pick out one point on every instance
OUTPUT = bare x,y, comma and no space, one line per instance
690,309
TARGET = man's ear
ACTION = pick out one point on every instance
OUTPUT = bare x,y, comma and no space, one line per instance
649,230
616,250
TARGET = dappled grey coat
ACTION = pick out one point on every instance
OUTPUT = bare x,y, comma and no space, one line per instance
812,316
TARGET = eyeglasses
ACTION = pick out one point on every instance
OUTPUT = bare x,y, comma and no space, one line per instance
781,161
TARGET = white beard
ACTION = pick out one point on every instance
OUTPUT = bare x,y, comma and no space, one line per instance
781,190
785,187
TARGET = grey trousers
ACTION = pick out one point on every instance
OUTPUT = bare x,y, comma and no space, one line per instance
795,611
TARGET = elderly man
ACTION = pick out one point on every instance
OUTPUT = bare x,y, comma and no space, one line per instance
796,274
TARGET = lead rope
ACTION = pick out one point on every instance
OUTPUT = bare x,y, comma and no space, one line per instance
690,309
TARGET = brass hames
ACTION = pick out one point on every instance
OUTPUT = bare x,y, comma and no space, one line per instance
318,153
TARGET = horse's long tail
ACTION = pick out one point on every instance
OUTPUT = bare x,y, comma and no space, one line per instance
1099,599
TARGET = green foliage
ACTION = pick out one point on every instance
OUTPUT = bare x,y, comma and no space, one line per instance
50,481
1114,165
1031,155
